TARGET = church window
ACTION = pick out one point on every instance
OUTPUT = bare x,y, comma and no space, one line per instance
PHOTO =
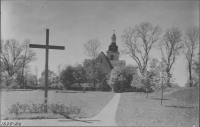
111,57
101,60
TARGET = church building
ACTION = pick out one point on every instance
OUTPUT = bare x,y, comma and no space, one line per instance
109,60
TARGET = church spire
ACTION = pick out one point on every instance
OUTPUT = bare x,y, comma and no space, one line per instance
113,47
113,38
112,52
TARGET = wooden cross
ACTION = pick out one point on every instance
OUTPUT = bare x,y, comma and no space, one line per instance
47,47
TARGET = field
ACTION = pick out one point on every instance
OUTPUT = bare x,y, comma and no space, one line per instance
92,102
180,108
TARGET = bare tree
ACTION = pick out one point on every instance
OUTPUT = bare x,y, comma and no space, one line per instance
1,68
91,49
171,46
191,42
59,71
196,67
25,47
36,74
10,54
59,68
15,57
139,41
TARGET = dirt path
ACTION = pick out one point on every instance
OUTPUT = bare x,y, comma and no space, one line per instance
106,117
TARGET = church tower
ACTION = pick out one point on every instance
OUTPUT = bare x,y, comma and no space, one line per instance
112,52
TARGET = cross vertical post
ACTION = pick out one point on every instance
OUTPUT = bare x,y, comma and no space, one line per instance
47,47
46,70
162,91
162,85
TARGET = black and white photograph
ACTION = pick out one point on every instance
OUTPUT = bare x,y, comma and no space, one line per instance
99,63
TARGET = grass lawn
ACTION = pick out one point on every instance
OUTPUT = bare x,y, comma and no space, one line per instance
92,102
180,108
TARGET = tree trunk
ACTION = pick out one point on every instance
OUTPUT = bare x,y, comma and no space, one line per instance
21,80
147,92
36,82
94,83
94,73
79,85
168,79
190,76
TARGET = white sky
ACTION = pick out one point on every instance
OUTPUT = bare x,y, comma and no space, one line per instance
73,23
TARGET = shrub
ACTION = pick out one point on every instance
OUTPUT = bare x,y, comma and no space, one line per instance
86,86
15,109
66,111
75,109
14,85
67,77
117,87
3,86
30,87
59,86
136,82
76,86
116,80
195,82
60,109
103,86
121,77
36,108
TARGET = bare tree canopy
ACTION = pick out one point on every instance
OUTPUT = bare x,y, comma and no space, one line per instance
36,71
171,47
138,42
191,42
15,56
92,48
36,74
59,68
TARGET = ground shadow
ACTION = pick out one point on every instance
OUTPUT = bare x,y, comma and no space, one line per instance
19,90
70,92
85,121
159,98
182,106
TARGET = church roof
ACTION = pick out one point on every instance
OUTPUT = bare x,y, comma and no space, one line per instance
113,47
107,59
87,61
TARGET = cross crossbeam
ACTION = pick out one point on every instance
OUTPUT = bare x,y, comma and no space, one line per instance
47,47
44,46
